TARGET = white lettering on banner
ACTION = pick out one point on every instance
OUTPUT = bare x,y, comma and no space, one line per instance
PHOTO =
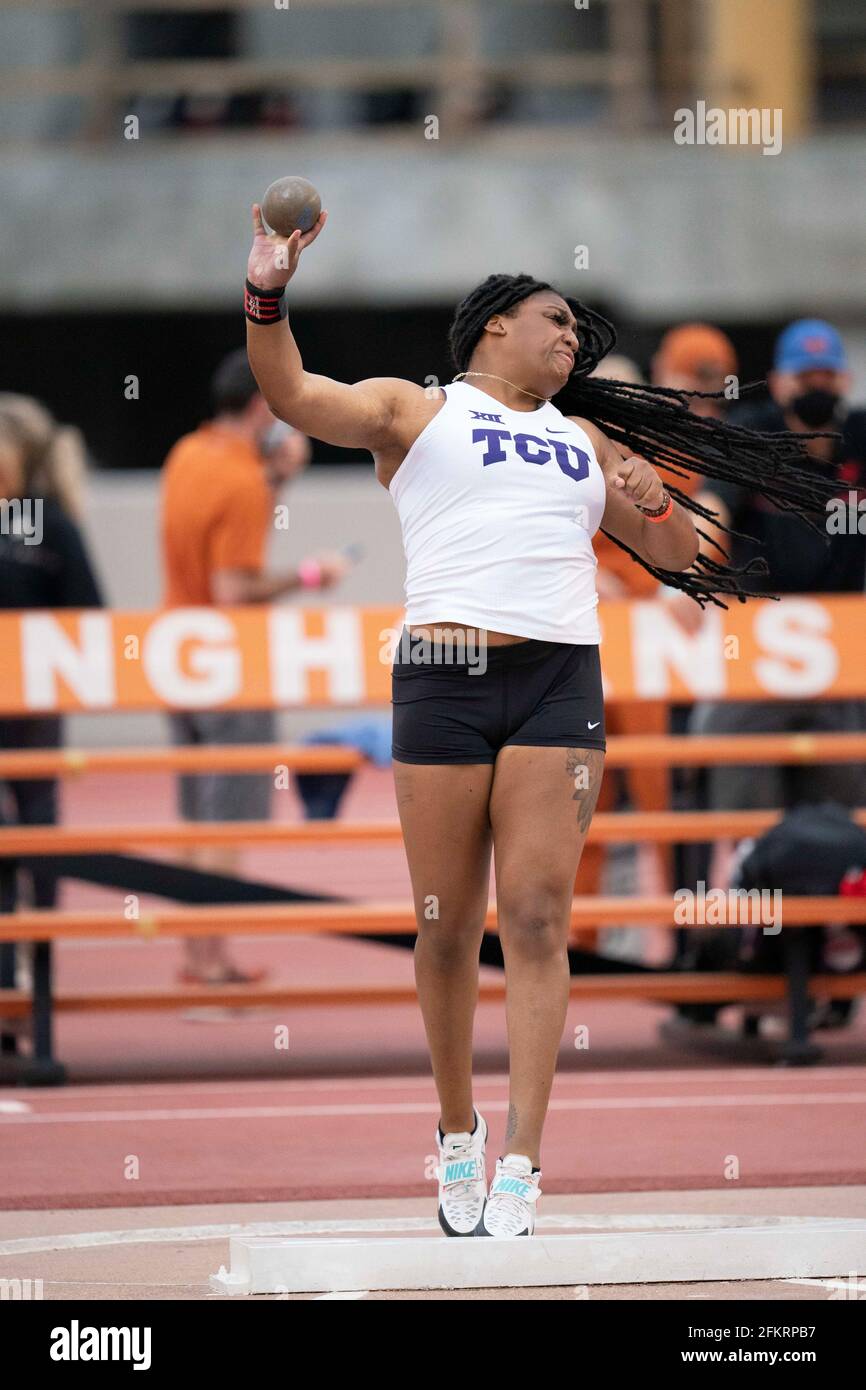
793,630
660,646
294,653
87,666
214,660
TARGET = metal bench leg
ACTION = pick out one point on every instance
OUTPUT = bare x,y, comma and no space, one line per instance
798,1051
41,1068
8,1041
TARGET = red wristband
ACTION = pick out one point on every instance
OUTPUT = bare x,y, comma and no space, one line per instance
264,306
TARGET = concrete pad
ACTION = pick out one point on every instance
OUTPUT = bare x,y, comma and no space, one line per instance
168,1252
654,1249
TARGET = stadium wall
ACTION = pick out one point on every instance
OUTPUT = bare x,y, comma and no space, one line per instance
165,225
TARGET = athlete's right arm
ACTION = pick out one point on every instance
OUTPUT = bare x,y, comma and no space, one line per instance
362,416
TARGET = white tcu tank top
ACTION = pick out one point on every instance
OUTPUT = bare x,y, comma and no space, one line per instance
497,509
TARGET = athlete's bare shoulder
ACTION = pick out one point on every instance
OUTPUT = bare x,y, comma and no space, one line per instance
390,387
410,409
401,394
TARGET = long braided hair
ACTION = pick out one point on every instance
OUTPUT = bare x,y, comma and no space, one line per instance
657,424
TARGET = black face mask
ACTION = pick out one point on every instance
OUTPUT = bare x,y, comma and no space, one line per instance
815,408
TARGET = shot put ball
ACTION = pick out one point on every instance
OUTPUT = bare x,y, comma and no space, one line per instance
291,203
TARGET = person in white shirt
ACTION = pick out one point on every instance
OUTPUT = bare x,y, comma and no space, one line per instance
498,720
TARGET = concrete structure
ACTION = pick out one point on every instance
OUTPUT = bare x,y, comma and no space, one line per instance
669,230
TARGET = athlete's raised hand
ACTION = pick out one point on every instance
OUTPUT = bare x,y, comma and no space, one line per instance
274,259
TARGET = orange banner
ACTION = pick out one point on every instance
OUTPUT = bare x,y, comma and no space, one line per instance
802,647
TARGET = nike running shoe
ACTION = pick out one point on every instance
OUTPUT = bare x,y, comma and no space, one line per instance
462,1181
510,1208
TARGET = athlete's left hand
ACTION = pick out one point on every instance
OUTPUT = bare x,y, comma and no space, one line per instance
637,478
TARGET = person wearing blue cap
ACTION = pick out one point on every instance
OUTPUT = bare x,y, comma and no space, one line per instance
808,385
810,377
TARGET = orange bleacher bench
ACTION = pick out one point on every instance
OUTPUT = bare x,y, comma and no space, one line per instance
384,919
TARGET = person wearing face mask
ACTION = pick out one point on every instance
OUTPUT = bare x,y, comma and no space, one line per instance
218,490
809,382
808,386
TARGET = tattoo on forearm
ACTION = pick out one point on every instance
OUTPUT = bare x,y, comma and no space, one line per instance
585,767
511,1124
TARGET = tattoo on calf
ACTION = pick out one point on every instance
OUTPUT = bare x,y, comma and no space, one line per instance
585,767
511,1123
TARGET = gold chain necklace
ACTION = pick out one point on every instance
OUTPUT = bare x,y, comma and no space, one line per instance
493,377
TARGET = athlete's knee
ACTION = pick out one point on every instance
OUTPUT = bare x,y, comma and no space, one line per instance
534,925
448,941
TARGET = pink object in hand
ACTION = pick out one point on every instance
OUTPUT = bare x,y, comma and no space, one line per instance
310,573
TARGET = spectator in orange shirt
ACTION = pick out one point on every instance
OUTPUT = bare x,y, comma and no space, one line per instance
217,499
695,357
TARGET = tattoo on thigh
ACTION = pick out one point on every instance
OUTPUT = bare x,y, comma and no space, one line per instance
585,767
511,1123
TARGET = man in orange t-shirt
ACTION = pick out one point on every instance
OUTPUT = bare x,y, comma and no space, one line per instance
217,504
216,514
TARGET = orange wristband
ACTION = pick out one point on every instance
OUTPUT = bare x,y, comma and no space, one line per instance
662,515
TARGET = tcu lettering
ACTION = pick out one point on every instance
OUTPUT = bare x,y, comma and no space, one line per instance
533,449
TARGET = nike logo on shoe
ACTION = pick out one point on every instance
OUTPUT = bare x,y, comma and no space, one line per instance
520,1189
458,1172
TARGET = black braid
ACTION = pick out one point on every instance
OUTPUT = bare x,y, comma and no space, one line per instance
657,424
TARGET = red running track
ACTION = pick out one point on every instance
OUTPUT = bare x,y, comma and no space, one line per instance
312,1139
629,1114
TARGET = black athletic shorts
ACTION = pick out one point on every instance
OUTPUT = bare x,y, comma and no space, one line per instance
543,694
